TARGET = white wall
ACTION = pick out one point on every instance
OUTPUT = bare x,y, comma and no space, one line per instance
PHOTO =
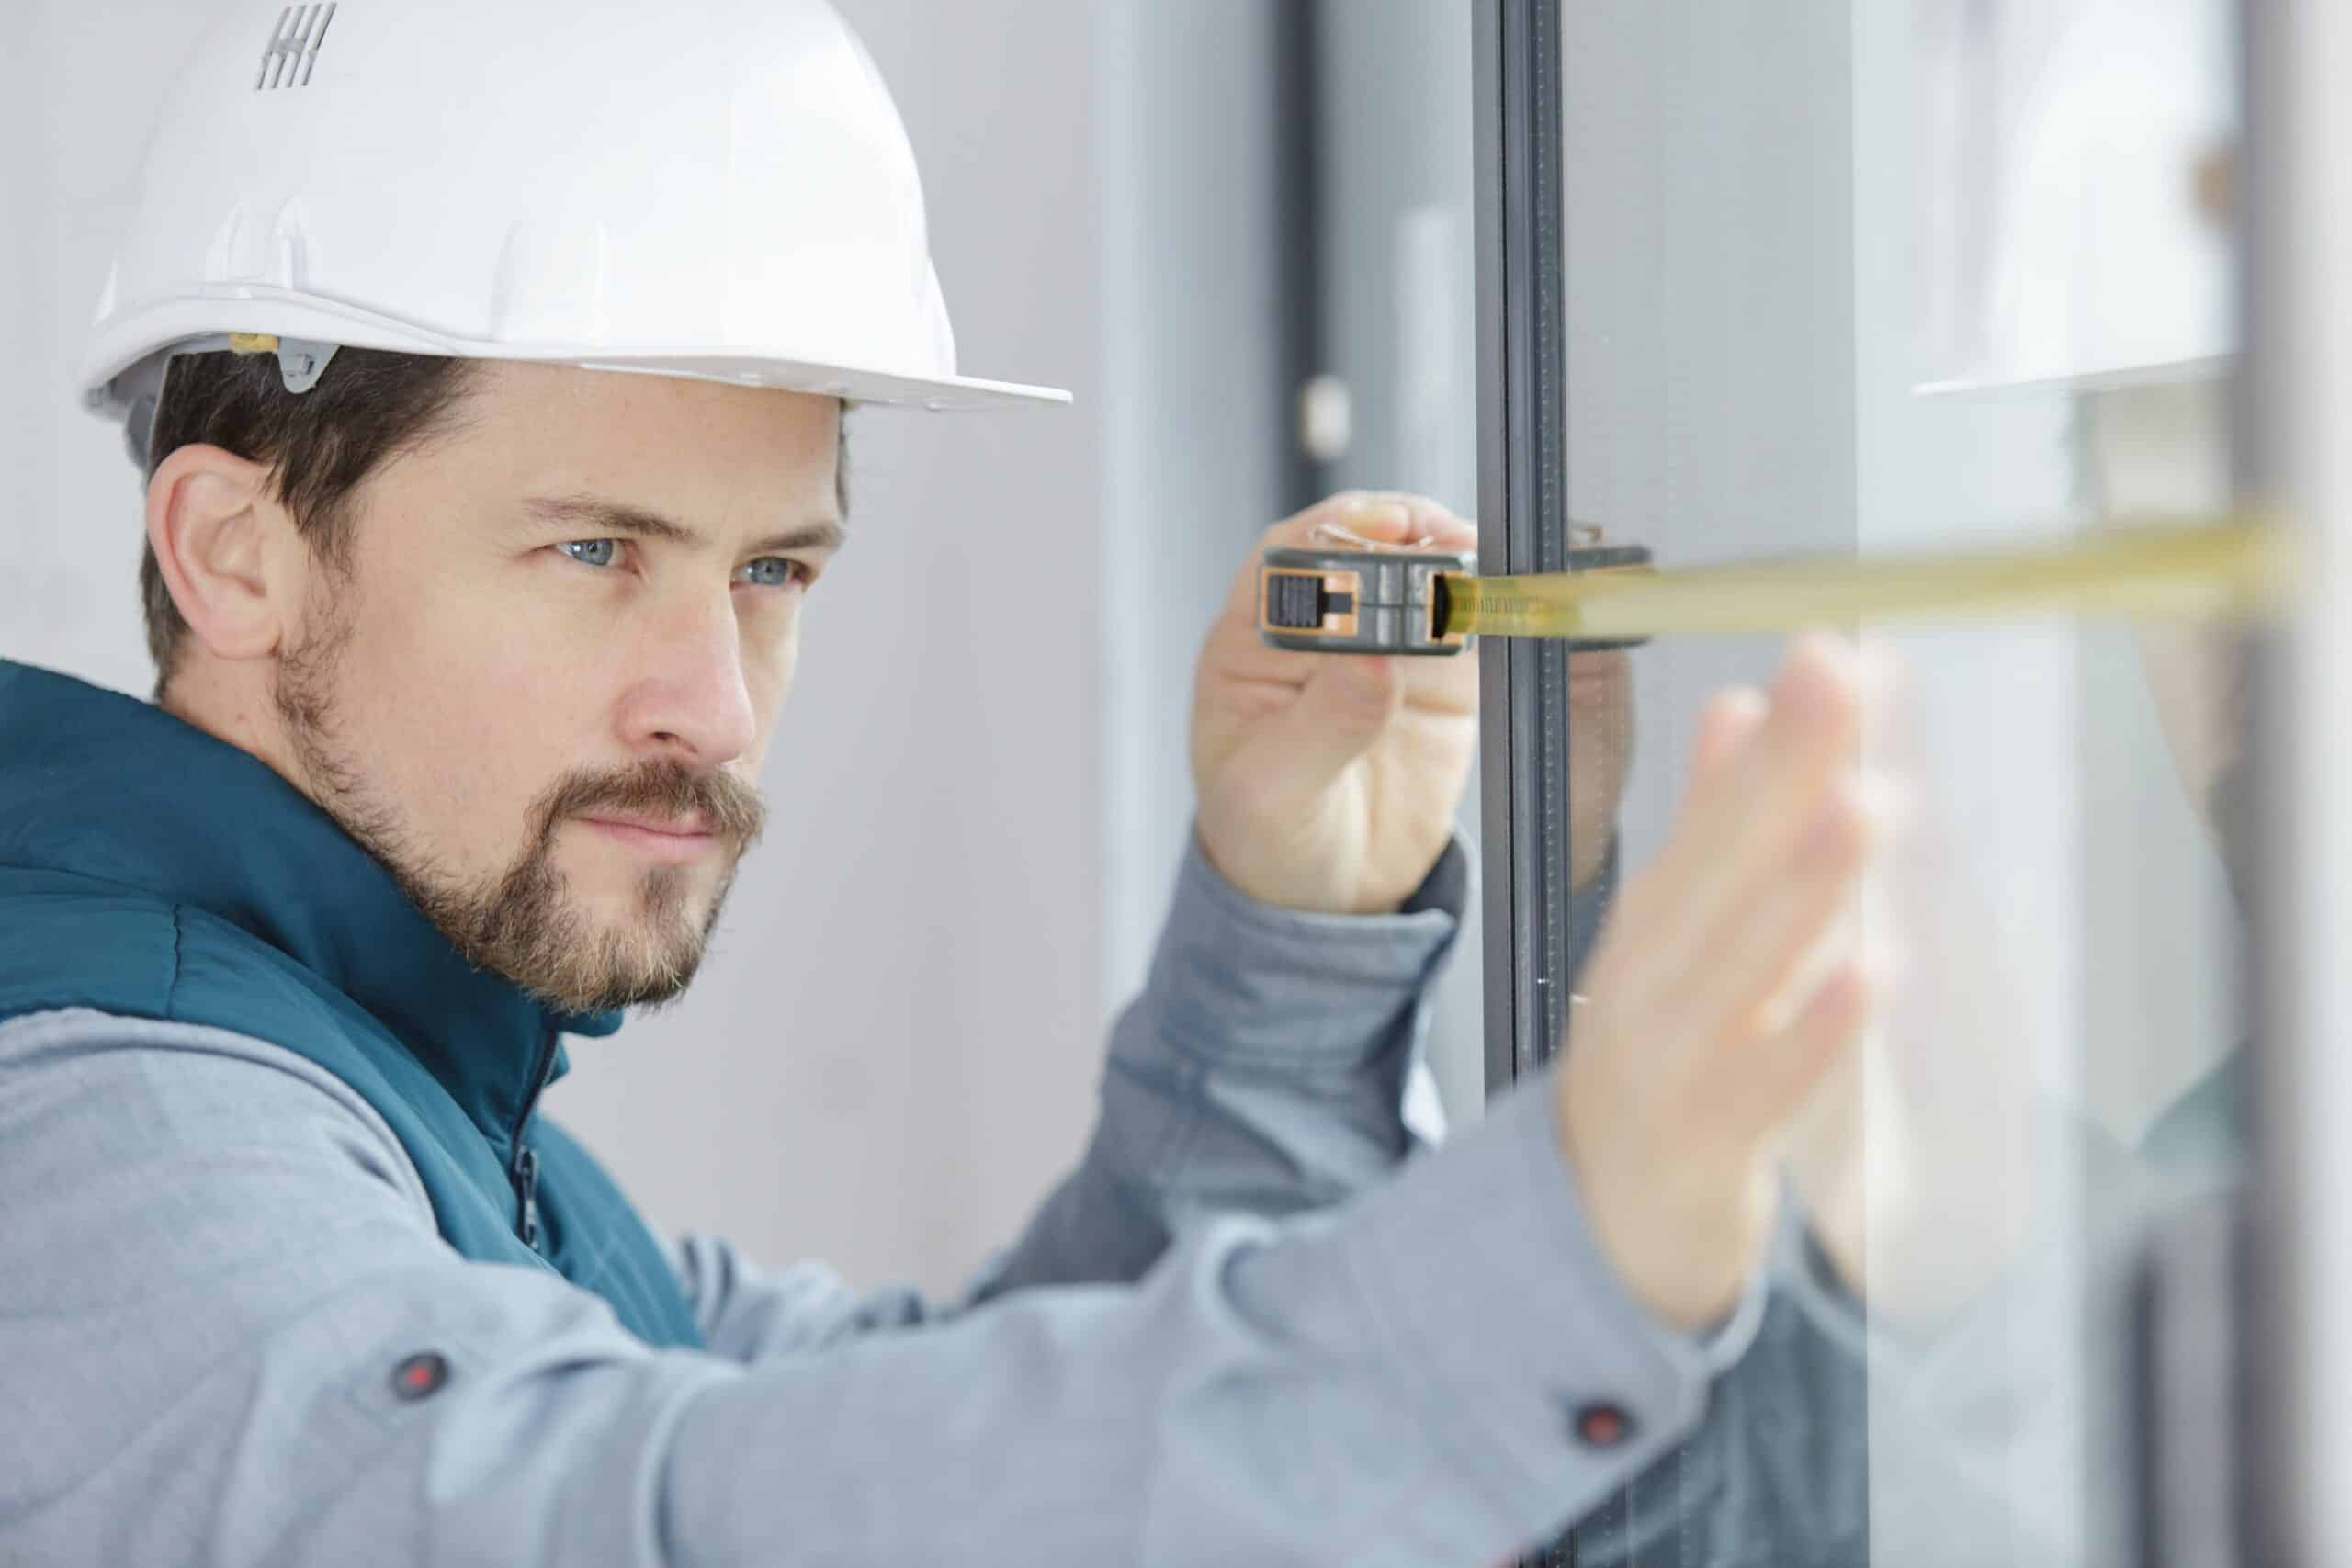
1194,418
893,1049
69,599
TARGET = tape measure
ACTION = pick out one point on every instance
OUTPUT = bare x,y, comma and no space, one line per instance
1416,603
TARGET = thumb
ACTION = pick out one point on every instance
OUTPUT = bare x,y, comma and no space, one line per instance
1339,714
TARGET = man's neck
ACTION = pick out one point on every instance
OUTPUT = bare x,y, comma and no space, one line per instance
232,710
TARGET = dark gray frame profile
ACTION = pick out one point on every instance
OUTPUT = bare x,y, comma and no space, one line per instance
1300,261
2285,1290
1523,526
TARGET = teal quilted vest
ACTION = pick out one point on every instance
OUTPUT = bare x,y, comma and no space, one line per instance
149,870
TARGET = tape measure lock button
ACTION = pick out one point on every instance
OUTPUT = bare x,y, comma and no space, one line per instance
1306,601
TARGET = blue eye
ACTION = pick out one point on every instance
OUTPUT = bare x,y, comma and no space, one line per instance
770,571
591,552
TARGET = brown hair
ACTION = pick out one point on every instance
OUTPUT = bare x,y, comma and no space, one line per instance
320,446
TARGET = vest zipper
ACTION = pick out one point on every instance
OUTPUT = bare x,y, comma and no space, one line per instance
524,1172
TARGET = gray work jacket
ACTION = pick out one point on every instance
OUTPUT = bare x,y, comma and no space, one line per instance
1258,1322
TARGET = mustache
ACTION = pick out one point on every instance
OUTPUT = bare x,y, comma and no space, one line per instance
733,809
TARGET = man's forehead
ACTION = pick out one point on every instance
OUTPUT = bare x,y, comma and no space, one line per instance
574,390
665,444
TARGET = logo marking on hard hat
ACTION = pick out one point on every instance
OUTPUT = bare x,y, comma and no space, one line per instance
294,46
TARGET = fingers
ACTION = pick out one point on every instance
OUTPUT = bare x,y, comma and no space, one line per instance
1781,934
1384,517
1782,1070
1341,712
1741,821
1806,725
1726,986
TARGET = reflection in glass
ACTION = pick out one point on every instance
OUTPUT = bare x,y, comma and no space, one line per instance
1867,281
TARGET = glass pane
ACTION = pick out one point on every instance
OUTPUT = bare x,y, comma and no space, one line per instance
1397,322
1856,280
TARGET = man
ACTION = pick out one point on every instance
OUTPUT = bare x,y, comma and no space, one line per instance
469,651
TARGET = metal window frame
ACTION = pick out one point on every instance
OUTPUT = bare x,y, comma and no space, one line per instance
2295,1307
1300,263
1523,526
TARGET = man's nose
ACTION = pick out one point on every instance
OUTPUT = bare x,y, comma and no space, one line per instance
691,701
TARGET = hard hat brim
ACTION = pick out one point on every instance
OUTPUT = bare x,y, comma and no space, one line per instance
2031,380
135,335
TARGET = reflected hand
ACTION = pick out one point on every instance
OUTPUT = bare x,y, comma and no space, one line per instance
1327,782
1600,755
1719,995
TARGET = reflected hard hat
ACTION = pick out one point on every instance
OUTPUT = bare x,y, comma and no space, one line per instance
718,189
2101,211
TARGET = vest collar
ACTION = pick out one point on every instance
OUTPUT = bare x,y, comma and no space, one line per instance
98,784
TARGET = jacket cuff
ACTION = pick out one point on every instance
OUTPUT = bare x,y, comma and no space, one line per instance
1483,1270
1236,980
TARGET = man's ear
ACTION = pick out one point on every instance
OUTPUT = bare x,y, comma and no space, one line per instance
219,538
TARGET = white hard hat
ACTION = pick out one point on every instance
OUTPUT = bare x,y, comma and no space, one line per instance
714,188
2100,248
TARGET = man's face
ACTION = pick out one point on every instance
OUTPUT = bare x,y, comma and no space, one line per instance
542,692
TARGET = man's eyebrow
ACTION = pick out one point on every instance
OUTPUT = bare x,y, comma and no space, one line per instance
603,519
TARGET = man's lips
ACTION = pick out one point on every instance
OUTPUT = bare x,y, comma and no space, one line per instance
672,839
694,825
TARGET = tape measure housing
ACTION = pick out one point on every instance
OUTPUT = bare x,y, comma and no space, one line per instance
1341,601
1390,602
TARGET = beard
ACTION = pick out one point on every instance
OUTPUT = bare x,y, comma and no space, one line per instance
524,923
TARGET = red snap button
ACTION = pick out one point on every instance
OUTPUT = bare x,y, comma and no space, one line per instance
1603,1426
420,1375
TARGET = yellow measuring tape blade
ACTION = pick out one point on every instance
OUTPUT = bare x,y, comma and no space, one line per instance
2237,566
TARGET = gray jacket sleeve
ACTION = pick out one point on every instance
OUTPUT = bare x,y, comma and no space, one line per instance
214,1256
1262,1071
